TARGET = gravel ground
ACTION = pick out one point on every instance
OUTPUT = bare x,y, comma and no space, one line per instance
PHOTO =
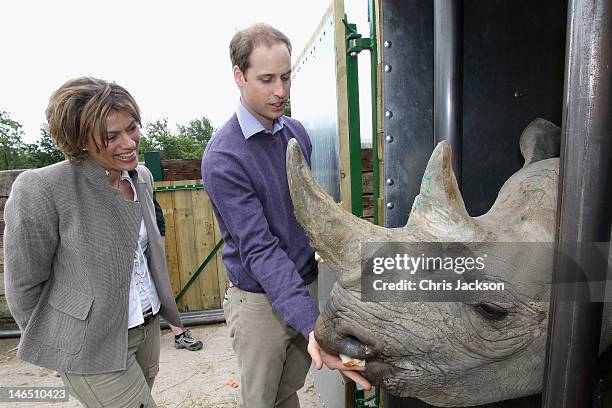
186,379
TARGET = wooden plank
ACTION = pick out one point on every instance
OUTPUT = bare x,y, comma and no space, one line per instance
165,200
181,169
204,244
342,105
367,159
185,245
368,206
367,183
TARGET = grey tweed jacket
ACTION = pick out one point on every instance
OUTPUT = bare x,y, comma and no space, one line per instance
69,245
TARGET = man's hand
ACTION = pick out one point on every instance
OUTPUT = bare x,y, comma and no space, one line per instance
320,357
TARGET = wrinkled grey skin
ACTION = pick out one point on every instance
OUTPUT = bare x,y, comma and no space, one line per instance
446,354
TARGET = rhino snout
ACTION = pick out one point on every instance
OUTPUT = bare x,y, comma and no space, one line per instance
333,335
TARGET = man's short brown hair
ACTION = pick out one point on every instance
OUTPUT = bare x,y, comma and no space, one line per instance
78,110
244,42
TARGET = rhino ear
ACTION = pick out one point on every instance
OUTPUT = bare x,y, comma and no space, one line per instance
540,140
439,208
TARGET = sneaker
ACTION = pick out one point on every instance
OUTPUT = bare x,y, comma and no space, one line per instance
185,341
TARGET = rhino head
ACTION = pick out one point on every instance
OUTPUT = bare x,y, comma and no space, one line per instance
444,353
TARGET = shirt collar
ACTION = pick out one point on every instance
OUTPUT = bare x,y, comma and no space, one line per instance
250,125
126,176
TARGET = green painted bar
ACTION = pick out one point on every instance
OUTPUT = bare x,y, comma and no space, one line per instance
153,163
352,79
198,271
180,187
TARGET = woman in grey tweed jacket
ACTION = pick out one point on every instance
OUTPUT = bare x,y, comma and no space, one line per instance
76,233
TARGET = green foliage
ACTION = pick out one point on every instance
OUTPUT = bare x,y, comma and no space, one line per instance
16,154
198,129
44,151
188,143
12,146
287,110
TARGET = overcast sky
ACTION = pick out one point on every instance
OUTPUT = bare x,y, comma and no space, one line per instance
172,56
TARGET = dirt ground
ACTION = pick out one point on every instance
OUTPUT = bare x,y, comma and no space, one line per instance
187,379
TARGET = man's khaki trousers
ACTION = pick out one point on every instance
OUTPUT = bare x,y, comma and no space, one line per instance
272,357
130,388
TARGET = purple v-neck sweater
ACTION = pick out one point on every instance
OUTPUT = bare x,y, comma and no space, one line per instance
266,250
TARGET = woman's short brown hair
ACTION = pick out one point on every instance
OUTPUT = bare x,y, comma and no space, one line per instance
245,41
78,110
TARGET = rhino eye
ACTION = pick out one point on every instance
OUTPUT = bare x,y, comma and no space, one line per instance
491,311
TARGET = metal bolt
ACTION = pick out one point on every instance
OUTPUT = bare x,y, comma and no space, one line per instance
353,54
388,68
389,181
388,114
389,138
387,44
390,206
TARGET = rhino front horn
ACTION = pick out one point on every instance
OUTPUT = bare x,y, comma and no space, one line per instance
334,233
439,209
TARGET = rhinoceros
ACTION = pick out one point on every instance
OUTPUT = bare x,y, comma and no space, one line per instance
444,353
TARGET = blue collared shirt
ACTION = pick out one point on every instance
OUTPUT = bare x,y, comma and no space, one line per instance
250,125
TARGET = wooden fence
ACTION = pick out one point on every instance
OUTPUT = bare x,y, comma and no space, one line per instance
191,234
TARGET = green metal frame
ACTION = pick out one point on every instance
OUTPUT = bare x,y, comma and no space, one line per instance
355,43
373,401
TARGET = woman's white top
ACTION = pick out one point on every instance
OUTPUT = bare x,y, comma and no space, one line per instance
143,294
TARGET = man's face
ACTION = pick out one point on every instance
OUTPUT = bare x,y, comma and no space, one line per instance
264,87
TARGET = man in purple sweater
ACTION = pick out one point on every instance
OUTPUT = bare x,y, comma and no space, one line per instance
270,308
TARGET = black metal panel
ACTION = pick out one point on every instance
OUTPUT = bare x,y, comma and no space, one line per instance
513,72
407,34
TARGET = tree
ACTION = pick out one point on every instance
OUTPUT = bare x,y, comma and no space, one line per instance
12,147
158,137
198,129
46,152
188,143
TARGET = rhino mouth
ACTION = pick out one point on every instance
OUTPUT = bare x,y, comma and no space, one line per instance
377,370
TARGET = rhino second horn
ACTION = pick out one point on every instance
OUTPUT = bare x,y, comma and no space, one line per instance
439,208
334,233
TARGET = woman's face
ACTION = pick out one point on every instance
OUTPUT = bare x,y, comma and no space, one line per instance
123,135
